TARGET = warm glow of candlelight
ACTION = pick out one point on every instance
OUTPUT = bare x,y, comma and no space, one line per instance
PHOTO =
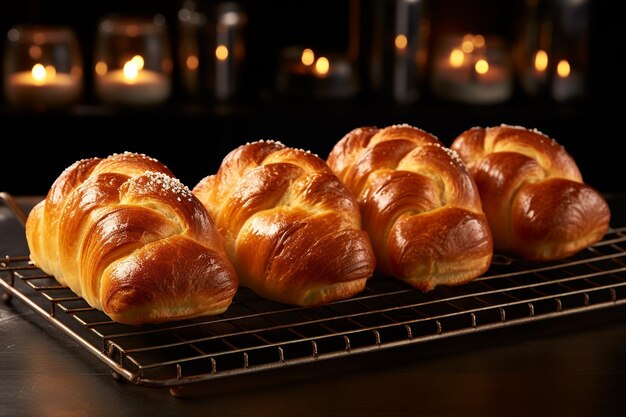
221,52
308,57
192,62
35,51
51,72
138,61
541,60
472,42
132,30
563,68
76,72
467,46
167,65
101,68
481,66
130,70
39,38
39,73
401,41
457,57
478,41
322,65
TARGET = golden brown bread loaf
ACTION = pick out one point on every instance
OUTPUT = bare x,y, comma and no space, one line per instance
132,240
532,192
419,205
290,227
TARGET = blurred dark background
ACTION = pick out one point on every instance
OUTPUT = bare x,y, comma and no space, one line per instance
191,133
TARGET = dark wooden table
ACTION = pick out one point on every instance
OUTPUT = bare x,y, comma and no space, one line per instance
569,366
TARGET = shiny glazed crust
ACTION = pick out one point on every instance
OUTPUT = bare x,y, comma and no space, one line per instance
132,240
290,227
419,205
532,191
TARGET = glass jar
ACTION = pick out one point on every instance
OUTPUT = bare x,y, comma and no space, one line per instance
399,49
472,69
133,64
192,47
229,51
42,67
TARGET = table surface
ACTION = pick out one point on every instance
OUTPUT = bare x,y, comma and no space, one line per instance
573,366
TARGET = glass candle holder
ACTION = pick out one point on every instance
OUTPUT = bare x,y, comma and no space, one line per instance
192,47
42,67
399,48
230,51
533,52
302,74
133,64
571,49
472,69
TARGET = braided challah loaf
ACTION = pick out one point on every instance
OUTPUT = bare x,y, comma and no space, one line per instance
132,240
290,227
532,192
419,205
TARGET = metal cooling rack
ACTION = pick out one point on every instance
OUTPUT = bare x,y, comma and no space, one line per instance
256,334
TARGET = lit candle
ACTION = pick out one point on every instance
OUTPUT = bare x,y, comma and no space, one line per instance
43,86
567,83
534,73
230,51
541,61
322,66
471,71
334,77
296,71
304,73
133,84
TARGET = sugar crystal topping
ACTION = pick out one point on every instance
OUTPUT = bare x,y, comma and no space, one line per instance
140,155
542,135
168,184
454,156
276,142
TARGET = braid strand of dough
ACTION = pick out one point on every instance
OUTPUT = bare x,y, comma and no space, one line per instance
290,227
419,205
132,241
532,191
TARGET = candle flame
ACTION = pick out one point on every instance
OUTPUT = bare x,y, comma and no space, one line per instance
139,62
467,45
308,57
322,65
101,68
478,41
541,60
130,70
39,73
472,42
563,68
481,66
457,57
401,41
192,62
221,52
